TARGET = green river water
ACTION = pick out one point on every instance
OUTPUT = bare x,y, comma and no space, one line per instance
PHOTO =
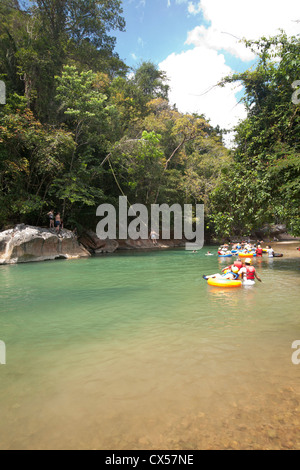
136,351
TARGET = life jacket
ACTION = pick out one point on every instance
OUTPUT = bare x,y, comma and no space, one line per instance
238,264
250,273
259,251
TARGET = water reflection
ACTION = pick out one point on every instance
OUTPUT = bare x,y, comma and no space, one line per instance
136,352
228,296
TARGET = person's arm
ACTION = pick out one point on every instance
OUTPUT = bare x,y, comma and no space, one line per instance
242,271
257,277
225,269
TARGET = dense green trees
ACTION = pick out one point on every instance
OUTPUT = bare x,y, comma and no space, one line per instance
78,130
35,43
56,118
263,184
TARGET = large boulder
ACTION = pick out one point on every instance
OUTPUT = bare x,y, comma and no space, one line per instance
90,241
27,244
109,246
275,232
278,229
149,245
93,244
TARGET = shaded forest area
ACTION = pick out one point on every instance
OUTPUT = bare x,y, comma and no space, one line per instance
80,128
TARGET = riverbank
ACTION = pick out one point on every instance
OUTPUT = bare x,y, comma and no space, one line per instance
287,248
24,244
96,246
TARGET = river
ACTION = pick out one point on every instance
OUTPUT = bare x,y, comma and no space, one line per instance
135,351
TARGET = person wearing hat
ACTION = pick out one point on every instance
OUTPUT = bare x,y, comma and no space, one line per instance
248,272
51,218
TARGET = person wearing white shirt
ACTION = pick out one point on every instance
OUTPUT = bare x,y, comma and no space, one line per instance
270,251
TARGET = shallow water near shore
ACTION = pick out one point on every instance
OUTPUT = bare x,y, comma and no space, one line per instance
136,351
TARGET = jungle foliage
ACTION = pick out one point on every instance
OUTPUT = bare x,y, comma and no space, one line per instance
80,129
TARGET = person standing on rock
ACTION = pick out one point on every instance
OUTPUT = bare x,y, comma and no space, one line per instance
51,218
154,237
57,222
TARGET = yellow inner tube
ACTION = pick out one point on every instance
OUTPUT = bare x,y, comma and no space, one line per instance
223,283
246,255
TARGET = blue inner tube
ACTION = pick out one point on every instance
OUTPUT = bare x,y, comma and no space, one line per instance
225,256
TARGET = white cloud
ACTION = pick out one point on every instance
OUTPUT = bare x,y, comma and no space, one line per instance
194,9
192,72
193,75
219,40
238,20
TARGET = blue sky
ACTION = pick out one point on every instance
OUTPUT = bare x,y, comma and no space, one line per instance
153,30
196,43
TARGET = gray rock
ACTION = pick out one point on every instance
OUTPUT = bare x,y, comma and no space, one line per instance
25,244
93,244
110,246
148,244
277,229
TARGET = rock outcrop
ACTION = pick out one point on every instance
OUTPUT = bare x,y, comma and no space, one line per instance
110,246
275,232
148,244
92,243
25,244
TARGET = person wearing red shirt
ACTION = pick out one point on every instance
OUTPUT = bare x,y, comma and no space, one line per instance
248,272
237,264
259,251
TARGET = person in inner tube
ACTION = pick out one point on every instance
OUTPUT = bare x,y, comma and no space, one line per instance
232,275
